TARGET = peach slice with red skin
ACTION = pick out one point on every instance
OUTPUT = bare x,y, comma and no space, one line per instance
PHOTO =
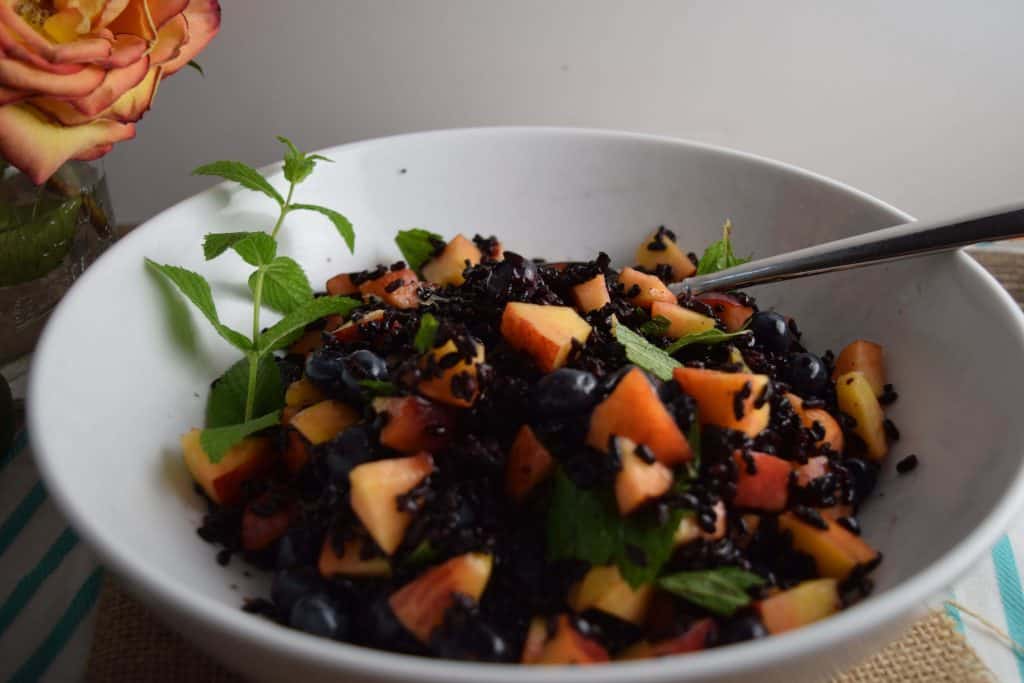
728,309
351,561
681,321
643,289
767,488
808,416
446,267
547,333
528,464
565,646
440,387
638,481
405,294
592,294
259,529
302,393
801,605
866,357
222,481
375,489
420,605
836,551
693,639
660,248
414,424
323,421
311,340
353,329
633,410
603,588
296,451
719,394
342,285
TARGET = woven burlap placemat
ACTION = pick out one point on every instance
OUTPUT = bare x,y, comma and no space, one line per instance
132,645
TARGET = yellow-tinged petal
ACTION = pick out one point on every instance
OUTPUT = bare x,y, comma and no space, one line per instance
65,26
111,10
116,83
203,24
21,76
9,96
12,46
86,49
94,153
170,38
38,146
133,18
133,104
124,49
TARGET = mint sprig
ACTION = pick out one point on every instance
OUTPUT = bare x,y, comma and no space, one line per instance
641,352
426,333
418,246
721,591
712,336
719,256
226,404
217,441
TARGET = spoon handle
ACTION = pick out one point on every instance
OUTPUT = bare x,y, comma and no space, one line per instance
889,244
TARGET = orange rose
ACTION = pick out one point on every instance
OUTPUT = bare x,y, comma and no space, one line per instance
75,75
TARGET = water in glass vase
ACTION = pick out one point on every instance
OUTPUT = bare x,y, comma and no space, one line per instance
48,235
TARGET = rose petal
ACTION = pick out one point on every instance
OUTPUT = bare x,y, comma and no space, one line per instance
129,108
203,24
88,49
13,47
124,50
18,75
133,18
39,146
111,11
116,83
170,38
9,96
94,153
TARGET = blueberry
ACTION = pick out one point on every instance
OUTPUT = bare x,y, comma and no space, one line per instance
863,477
316,613
290,585
514,277
741,628
341,454
477,641
359,366
298,546
326,368
771,331
564,392
807,374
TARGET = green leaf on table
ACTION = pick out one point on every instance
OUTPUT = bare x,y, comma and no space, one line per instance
712,336
217,441
376,387
418,246
719,255
643,353
341,224
285,285
197,290
243,174
426,333
721,591
297,165
226,403
655,327
280,333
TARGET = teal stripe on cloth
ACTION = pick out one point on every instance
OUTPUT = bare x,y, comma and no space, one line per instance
30,583
953,613
1011,594
20,441
17,520
37,664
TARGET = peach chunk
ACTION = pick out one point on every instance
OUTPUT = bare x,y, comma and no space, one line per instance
638,481
376,487
689,530
767,488
341,285
546,333
414,424
353,329
402,295
857,399
643,289
302,393
863,356
803,604
634,410
603,588
814,468
693,639
263,522
808,416
351,561
727,399
296,451
592,294
728,309
222,481
565,646
528,464
456,385
311,340
446,268
681,321
836,551
323,421
420,605
660,248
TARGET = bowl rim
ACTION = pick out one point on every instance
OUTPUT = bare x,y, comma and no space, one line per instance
156,585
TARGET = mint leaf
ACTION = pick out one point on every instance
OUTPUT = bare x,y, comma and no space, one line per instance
655,327
644,538
341,224
418,246
285,286
641,352
426,334
216,243
226,404
719,255
721,591
298,166
176,314
197,290
423,554
197,66
280,333
243,174
378,388
712,336
256,248
216,442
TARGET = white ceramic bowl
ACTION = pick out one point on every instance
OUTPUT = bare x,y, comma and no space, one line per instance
110,394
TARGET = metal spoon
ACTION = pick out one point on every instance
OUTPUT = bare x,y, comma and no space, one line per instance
889,244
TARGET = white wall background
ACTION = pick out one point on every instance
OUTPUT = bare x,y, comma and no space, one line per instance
919,102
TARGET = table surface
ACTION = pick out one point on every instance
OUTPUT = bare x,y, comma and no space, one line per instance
49,581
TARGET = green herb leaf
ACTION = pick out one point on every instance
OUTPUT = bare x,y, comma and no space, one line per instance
226,404
641,352
197,290
341,224
197,66
176,314
243,174
426,334
722,590
712,336
378,388
298,166
256,248
655,327
645,538
423,554
418,246
219,440
285,286
216,243
719,255
280,333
